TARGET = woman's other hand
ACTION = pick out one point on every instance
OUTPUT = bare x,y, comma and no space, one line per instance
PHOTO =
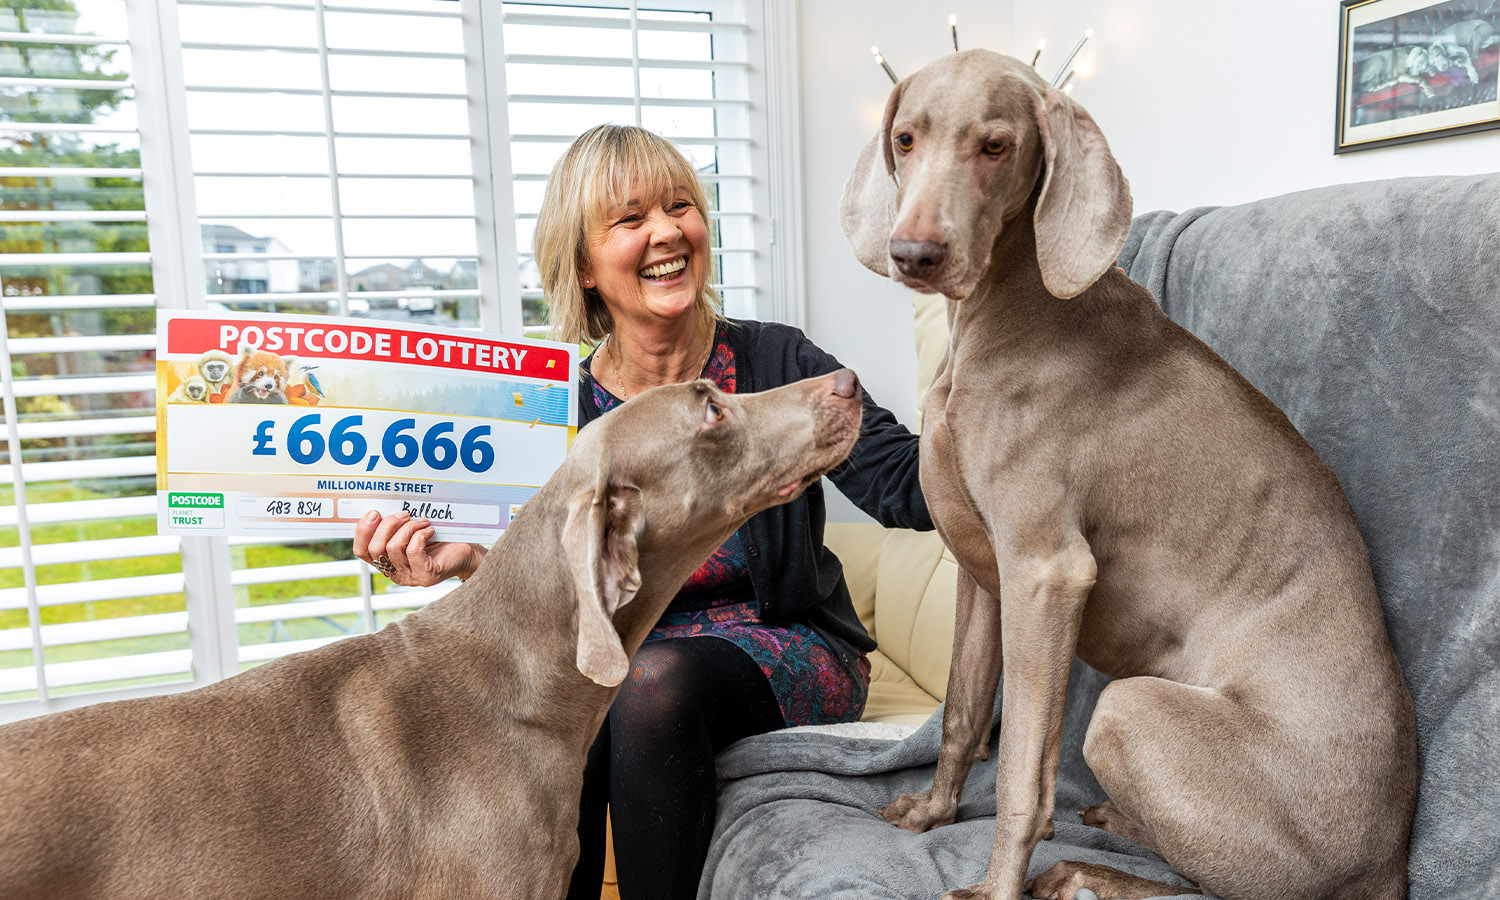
401,548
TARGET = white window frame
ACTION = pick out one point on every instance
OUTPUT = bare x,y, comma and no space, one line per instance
178,274
786,289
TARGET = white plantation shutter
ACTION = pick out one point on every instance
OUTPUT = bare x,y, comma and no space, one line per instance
331,155
90,597
382,158
332,173
683,70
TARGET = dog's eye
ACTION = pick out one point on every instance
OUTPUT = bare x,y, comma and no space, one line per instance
996,146
904,142
715,413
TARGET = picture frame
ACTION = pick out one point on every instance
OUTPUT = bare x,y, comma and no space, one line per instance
1413,70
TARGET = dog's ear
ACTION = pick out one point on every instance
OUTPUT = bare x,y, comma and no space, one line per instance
1083,213
867,211
600,539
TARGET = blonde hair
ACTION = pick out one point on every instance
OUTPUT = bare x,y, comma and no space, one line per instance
596,173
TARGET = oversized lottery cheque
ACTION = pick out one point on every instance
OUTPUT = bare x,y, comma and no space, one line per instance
297,425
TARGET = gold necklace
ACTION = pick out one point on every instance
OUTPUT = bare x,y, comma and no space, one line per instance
614,358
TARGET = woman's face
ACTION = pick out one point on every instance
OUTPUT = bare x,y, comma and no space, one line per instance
649,259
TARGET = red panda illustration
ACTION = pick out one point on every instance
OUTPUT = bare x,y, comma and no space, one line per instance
261,376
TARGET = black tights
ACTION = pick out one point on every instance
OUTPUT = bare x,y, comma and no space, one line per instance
653,764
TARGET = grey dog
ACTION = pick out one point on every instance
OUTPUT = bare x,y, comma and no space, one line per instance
1113,490
441,758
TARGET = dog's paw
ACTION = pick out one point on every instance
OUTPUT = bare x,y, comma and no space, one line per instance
919,812
1098,816
977,892
1061,882
1086,881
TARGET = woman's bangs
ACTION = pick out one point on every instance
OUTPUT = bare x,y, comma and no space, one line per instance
630,166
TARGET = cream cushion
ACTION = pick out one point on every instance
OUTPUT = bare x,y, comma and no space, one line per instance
904,586
904,583
895,699
930,329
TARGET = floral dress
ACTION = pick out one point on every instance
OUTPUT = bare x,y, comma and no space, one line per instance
812,685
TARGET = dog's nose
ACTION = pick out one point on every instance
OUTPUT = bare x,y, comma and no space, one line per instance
918,259
845,383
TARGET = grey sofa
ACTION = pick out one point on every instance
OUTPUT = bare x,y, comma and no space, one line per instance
1371,314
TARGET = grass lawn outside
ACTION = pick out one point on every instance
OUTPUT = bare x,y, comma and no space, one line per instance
247,557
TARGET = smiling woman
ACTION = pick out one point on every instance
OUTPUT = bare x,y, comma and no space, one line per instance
622,200
638,279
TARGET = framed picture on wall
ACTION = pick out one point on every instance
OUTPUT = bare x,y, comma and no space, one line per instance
1410,70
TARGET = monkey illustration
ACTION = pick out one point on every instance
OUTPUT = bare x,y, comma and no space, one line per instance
194,390
215,366
261,376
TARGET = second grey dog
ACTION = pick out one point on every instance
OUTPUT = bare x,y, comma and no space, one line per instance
441,758
1112,489
1472,36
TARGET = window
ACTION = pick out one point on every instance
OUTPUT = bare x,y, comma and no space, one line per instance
680,69
91,598
371,158
330,153
341,136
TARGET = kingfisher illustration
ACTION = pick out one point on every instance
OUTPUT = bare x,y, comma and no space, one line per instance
312,381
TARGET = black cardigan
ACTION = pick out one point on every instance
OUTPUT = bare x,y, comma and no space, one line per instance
794,576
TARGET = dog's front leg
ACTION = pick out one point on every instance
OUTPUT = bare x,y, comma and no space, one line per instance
973,677
1039,624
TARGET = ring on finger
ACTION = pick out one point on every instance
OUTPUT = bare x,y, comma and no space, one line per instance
383,564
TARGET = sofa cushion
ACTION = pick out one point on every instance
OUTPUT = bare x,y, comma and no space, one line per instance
930,329
903,584
857,545
916,588
895,698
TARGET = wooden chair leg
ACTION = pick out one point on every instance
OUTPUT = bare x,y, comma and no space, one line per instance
610,879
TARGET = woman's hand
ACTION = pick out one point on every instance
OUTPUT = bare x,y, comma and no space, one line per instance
401,548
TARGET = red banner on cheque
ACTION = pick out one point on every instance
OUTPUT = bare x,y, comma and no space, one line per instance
338,340
277,424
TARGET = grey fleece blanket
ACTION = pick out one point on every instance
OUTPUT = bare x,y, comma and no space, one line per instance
799,816
1370,313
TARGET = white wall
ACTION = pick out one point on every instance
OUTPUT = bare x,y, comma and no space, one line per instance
1203,103
858,316
1208,103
